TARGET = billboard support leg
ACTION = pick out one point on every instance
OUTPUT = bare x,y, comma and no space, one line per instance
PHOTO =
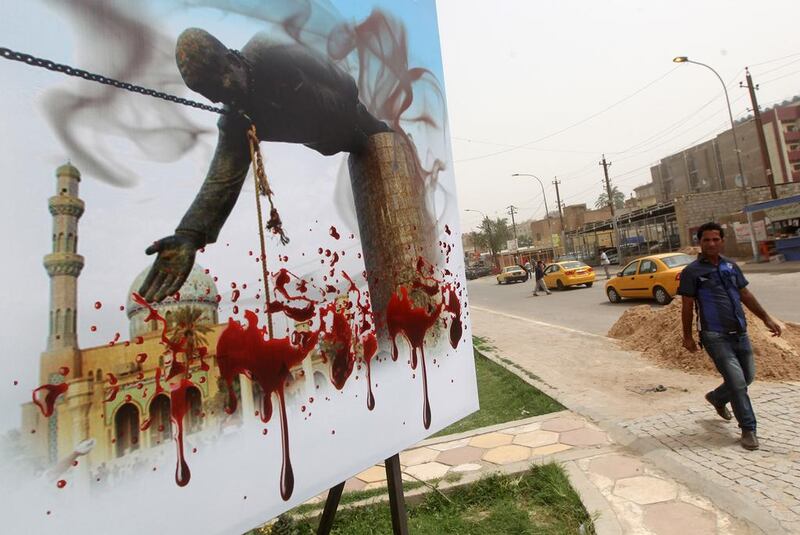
397,501
331,504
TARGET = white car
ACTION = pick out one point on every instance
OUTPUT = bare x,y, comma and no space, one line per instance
512,274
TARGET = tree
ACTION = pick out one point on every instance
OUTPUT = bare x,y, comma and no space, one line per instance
493,235
616,194
188,327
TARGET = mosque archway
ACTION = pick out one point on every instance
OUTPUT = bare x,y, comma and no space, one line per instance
126,429
160,429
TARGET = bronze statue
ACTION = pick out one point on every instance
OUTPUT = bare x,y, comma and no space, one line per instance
291,95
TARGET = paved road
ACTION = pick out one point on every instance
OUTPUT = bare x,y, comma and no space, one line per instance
588,309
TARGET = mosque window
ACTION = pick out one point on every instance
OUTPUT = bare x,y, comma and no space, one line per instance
160,431
195,415
126,429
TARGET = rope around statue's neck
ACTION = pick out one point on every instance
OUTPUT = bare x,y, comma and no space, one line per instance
274,224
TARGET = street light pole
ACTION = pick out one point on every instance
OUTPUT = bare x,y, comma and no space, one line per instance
684,59
546,210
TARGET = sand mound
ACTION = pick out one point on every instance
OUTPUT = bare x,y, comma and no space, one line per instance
657,333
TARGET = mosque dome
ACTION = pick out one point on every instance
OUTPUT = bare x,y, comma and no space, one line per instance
199,291
69,170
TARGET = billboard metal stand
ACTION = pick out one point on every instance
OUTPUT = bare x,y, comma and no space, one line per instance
397,501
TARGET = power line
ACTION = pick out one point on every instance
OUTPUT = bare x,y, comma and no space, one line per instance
573,125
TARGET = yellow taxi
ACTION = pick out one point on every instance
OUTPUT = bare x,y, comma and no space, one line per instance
512,274
568,273
656,277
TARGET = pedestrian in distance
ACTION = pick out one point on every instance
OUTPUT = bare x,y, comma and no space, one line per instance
539,283
716,286
605,262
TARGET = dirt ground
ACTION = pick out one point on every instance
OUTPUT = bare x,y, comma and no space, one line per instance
657,333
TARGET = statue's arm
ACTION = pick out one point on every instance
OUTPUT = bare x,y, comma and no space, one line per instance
217,197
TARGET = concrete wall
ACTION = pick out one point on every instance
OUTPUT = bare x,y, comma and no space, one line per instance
727,206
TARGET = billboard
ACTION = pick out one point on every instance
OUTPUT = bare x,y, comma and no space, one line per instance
236,274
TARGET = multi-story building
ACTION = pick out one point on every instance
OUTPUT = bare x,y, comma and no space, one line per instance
713,166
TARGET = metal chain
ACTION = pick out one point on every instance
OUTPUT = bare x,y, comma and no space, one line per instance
99,78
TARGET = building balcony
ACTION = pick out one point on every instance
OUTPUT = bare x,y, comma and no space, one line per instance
793,156
791,136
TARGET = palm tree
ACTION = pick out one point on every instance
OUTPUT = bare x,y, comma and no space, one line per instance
616,194
188,328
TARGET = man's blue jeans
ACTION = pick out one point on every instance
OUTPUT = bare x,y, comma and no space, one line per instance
733,356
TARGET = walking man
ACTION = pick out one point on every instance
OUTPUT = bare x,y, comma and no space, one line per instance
539,283
717,287
605,262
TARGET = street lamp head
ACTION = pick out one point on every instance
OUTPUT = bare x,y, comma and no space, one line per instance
680,59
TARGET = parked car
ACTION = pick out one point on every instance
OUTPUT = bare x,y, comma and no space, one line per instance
654,276
477,270
612,254
512,274
571,273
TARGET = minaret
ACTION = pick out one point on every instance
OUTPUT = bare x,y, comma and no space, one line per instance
63,264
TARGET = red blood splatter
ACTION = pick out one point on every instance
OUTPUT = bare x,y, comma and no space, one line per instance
98,305
75,463
177,295
46,401
447,229
336,344
61,483
178,408
218,298
139,339
63,370
403,318
297,314
93,328
235,295
333,232
235,309
456,328
268,362
146,424
141,357
233,285
370,348
128,398
16,382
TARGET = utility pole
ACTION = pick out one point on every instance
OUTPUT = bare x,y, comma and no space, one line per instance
606,165
556,181
512,210
762,140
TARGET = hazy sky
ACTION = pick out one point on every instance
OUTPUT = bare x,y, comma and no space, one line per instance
518,72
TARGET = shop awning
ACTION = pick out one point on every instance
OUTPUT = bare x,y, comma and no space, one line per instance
774,203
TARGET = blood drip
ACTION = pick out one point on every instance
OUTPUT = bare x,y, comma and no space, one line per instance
370,348
141,357
447,229
243,350
61,483
403,318
456,328
337,345
46,401
333,232
63,371
178,408
98,305
235,295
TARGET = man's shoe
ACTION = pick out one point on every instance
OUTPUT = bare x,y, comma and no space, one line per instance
722,410
749,440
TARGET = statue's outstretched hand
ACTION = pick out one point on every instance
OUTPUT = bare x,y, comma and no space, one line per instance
171,268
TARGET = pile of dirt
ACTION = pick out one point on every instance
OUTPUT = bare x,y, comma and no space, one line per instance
690,250
658,334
